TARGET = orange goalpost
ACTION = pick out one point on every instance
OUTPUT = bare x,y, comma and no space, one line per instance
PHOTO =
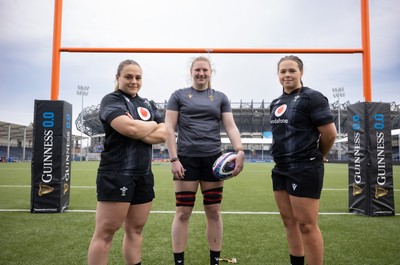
364,50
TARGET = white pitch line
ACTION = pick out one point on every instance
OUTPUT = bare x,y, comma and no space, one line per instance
195,212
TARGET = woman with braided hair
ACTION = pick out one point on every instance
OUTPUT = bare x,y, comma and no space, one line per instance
303,133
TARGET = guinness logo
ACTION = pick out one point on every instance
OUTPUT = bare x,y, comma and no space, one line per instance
66,187
44,189
380,192
356,190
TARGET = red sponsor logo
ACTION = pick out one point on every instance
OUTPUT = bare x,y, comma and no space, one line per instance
144,113
280,110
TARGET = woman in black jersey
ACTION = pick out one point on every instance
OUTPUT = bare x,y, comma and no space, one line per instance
303,133
125,180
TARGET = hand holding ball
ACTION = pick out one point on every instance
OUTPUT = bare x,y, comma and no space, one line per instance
223,167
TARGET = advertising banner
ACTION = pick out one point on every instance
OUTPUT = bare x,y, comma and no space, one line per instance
357,158
381,167
370,171
51,158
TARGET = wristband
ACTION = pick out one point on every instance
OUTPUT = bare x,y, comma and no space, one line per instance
173,159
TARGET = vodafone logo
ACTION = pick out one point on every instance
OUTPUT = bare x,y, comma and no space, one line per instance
280,110
144,113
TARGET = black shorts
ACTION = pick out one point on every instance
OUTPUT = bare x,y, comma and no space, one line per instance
199,168
299,179
123,187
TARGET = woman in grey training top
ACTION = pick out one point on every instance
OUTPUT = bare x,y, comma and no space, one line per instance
197,112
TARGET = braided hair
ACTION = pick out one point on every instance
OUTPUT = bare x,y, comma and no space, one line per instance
295,59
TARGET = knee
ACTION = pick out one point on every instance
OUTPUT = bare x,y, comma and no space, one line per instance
289,221
185,198
307,228
212,196
136,229
213,213
109,227
106,233
183,214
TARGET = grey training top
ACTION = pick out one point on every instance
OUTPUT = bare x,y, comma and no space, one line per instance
199,120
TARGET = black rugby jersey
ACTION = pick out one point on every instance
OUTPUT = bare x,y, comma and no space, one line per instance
122,153
294,120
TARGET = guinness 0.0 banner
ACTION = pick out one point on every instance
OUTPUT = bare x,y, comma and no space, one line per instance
370,159
358,159
51,159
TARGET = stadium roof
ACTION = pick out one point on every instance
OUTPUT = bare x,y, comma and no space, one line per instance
16,131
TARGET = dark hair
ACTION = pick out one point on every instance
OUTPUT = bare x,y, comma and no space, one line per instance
202,59
295,59
122,65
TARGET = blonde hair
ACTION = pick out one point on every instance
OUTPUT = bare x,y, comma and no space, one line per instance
202,59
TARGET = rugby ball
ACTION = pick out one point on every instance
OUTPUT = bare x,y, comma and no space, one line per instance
223,167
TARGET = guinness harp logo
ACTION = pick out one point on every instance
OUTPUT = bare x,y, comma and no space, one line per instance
66,187
44,189
356,190
380,192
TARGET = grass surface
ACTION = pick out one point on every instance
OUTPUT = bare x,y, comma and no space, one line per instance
253,231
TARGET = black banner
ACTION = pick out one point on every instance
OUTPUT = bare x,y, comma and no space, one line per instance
51,158
370,159
358,160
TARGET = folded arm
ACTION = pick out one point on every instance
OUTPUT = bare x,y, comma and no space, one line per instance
157,136
135,129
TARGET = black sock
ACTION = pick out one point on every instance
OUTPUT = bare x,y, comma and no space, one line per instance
294,260
140,263
214,257
179,258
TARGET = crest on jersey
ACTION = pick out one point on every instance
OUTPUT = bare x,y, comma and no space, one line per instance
280,110
144,113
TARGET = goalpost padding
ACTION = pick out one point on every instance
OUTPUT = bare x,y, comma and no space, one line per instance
51,159
370,159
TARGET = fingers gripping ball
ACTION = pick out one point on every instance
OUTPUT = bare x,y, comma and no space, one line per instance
223,167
